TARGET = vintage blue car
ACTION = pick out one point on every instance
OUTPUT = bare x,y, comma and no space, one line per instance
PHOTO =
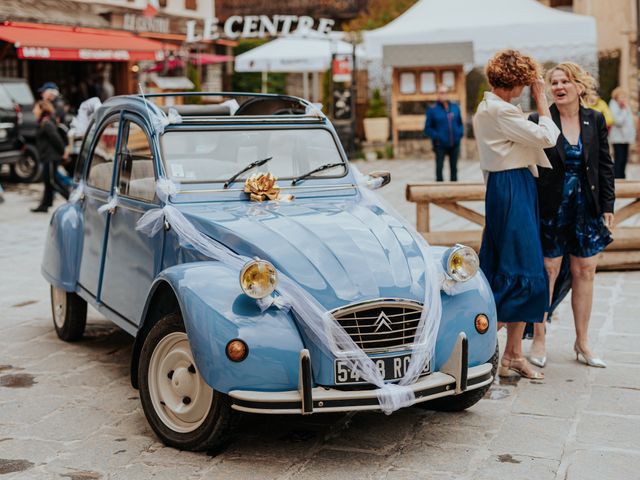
220,288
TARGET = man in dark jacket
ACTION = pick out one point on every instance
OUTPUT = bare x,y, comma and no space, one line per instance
443,125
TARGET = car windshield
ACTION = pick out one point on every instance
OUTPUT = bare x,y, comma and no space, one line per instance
214,156
19,92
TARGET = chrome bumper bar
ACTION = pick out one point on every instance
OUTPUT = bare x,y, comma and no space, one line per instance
453,379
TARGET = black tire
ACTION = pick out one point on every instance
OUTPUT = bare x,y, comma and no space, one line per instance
26,169
458,403
206,434
69,313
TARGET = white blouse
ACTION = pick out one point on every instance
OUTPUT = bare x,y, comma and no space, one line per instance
507,140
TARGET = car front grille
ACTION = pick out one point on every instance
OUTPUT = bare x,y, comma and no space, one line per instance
378,326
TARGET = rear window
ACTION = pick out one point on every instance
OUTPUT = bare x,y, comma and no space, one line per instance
19,92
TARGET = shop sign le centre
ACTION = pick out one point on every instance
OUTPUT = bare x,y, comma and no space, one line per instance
256,26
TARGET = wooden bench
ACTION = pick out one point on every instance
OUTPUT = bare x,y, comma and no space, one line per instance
622,254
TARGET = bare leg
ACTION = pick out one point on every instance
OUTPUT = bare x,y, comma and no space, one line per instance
513,351
513,348
583,271
538,349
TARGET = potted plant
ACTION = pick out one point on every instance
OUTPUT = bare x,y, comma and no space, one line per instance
376,123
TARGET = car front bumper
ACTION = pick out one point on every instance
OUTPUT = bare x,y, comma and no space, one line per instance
10,156
454,378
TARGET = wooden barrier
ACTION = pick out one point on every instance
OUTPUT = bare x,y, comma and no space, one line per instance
622,254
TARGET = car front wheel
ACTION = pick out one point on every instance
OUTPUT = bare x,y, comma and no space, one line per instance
69,314
182,409
26,169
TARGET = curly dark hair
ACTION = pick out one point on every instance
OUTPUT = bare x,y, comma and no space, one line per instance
510,68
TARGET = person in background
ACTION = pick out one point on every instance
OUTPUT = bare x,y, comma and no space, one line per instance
443,125
623,131
50,150
511,149
593,101
576,202
50,92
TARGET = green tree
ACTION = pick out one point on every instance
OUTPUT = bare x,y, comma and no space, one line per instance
378,13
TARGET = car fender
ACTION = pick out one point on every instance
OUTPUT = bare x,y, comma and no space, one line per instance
63,247
458,315
215,311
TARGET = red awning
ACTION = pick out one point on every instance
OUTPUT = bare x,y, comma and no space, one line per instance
56,42
208,58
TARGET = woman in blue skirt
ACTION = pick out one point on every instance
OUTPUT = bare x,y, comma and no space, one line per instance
511,148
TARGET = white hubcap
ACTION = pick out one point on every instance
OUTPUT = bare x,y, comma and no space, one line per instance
59,306
179,395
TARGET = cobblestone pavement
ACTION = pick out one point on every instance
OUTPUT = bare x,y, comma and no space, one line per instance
68,410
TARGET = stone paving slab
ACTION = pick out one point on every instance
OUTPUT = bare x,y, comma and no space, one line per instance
67,411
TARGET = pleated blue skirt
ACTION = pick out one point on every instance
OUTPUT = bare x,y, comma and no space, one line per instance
511,252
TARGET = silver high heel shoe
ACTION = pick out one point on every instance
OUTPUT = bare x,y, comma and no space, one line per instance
590,361
538,361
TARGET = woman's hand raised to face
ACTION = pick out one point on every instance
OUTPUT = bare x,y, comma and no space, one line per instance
538,93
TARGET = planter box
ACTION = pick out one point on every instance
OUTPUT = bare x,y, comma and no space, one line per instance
376,129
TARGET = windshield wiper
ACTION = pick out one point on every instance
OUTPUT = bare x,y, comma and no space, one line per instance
257,163
326,166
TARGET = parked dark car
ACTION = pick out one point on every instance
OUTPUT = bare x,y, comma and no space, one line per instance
26,166
10,145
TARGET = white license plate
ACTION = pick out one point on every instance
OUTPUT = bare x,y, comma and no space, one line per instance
391,368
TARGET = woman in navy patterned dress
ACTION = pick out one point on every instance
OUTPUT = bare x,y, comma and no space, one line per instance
576,201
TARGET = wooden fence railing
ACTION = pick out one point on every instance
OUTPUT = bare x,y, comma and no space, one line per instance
623,253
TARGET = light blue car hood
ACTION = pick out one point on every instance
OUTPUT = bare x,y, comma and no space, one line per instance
338,249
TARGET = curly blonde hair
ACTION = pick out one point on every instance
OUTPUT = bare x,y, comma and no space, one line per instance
587,85
509,69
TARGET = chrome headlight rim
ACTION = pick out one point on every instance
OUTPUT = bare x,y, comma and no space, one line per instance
455,252
253,263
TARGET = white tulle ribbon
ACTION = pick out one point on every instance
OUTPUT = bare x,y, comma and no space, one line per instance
77,194
278,301
314,110
160,122
429,323
111,204
318,323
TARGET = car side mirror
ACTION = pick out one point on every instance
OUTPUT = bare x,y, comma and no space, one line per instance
379,179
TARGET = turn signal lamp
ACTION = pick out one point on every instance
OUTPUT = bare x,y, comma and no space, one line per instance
482,323
258,278
237,350
462,263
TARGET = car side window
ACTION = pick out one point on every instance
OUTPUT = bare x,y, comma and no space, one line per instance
83,156
104,154
136,177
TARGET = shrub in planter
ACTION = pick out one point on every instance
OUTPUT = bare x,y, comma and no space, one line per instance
376,123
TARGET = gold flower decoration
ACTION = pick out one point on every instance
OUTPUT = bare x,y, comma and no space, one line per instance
261,187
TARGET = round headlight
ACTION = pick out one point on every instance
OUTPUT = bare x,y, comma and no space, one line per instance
462,263
258,278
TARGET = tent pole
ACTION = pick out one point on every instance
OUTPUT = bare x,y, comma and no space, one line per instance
305,85
316,88
264,82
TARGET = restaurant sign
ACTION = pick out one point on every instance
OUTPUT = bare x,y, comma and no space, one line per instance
256,26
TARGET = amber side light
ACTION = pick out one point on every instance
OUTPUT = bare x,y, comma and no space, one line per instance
482,323
237,350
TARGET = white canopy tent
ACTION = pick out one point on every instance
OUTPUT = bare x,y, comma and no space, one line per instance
295,54
491,25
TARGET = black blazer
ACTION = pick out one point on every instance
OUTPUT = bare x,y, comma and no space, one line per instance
600,176
49,142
